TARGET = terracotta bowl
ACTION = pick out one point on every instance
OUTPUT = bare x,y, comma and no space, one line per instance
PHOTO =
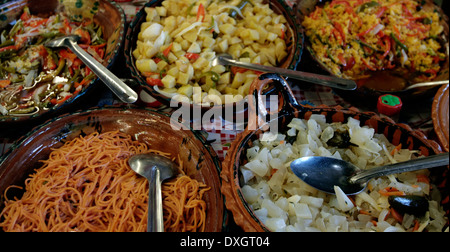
232,180
109,15
147,126
294,43
368,96
440,115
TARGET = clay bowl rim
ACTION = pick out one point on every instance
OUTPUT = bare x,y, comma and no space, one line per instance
438,118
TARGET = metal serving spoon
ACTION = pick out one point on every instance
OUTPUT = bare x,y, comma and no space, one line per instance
323,173
156,169
118,87
427,84
324,80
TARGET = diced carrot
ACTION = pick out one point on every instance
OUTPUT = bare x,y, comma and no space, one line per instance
4,83
192,56
154,82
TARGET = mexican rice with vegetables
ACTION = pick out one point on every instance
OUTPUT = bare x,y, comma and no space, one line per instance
180,38
354,38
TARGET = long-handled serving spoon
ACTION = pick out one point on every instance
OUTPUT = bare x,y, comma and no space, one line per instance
324,80
156,169
118,87
323,173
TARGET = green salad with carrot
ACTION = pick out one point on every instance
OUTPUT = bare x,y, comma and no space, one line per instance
34,77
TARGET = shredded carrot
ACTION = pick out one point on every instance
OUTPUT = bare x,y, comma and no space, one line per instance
416,225
273,171
167,50
391,191
396,215
201,12
396,149
423,178
364,212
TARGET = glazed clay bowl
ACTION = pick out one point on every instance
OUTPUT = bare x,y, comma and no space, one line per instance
108,14
293,37
147,126
232,178
368,95
440,116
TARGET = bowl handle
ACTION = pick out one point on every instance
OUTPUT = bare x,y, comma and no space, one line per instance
287,103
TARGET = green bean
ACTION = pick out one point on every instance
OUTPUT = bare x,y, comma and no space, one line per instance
51,76
52,54
399,43
75,76
162,57
8,69
367,5
8,42
331,57
8,53
17,26
363,44
28,110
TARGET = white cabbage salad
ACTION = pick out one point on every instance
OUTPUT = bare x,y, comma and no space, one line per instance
285,203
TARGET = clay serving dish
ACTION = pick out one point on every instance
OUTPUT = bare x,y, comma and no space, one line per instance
144,125
369,95
232,180
108,14
293,37
440,115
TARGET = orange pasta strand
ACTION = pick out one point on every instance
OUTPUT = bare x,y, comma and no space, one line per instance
87,185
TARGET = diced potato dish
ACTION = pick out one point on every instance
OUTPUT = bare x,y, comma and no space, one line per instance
179,40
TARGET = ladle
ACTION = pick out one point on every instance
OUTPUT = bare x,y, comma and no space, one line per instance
427,84
156,169
118,87
323,173
324,80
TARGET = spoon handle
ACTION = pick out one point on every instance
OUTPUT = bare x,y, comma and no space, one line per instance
118,87
324,80
155,221
411,165
426,84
